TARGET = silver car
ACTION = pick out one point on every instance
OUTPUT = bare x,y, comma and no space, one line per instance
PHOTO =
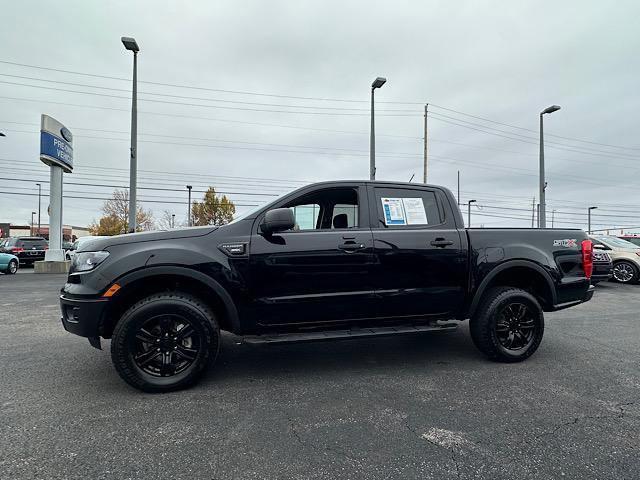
625,256
72,251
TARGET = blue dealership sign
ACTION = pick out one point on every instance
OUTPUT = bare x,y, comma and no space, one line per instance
56,144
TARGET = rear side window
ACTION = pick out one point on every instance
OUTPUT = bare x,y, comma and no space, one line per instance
403,207
29,244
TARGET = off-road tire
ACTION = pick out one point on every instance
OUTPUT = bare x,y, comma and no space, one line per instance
635,275
483,323
123,340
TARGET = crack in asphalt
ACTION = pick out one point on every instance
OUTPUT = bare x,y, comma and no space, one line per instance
331,450
619,414
454,459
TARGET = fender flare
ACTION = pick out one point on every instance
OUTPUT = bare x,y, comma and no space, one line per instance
229,306
505,266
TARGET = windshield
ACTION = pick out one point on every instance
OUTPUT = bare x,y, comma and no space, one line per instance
616,242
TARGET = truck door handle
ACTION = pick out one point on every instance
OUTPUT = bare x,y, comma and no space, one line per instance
350,247
441,242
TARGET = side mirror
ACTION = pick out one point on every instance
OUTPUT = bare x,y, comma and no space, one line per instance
277,220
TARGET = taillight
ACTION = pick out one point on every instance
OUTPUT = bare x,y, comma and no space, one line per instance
17,249
587,257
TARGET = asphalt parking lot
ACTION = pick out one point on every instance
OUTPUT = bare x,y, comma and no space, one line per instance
427,406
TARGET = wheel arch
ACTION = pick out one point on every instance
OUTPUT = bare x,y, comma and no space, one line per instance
146,281
535,280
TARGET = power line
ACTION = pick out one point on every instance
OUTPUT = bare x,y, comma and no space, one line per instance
534,131
203,105
297,98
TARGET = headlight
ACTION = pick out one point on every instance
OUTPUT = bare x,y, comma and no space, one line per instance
85,261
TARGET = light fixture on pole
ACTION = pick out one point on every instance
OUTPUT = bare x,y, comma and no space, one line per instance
131,45
39,205
377,83
189,207
589,215
469,212
542,219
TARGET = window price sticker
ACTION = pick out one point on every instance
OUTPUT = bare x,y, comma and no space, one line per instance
404,211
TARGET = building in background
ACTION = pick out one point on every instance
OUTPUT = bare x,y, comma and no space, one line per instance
69,232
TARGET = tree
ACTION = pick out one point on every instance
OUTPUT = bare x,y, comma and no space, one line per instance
115,219
167,220
213,210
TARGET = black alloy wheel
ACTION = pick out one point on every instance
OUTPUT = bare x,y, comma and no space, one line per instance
166,345
165,342
508,325
515,326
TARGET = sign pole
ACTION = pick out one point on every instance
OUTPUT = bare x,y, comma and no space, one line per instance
56,150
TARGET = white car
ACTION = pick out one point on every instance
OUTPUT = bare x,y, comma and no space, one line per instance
625,256
72,251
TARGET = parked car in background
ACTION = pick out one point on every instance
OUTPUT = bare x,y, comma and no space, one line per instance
602,267
27,249
75,245
624,255
8,263
635,239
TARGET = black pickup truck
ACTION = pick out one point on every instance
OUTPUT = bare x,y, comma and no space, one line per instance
331,260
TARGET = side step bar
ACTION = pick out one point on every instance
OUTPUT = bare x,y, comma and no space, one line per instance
297,337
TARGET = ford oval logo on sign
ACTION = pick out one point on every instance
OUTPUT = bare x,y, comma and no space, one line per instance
56,144
66,134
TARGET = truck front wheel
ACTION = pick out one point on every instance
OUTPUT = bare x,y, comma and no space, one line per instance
509,324
164,342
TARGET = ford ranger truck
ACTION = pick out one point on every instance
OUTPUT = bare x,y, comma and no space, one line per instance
332,260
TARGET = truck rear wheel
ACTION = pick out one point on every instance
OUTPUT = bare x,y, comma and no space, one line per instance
509,324
164,342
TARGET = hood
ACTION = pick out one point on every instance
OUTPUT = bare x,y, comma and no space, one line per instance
106,242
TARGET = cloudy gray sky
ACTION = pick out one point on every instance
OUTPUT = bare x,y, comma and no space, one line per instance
279,96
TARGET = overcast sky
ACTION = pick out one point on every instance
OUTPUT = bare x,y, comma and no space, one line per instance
501,61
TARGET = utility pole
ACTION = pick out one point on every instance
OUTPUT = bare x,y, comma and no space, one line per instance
458,187
426,111
39,205
173,220
533,211
189,207
31,231
553,217
538,215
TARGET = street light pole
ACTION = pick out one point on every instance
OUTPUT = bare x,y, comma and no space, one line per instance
553,216
377,83
469,212
131,44
39,195
426,113
542,218
32,214
189,207
589,215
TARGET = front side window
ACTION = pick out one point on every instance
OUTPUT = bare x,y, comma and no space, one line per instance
402,207
333,208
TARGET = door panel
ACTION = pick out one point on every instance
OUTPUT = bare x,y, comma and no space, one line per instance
312,276
421,269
